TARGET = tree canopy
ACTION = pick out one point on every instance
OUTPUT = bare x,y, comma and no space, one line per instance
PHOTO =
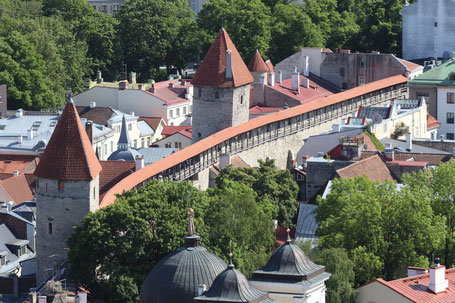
114,248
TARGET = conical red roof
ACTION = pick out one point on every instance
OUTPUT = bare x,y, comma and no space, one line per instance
213,67
69,154
257,64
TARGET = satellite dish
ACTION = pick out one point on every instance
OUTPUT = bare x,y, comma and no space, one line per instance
377,119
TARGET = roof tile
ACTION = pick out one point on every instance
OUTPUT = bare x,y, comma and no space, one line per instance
373,167
257,64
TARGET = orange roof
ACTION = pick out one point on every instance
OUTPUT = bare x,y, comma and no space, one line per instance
221,136
432,122
153,122
416,288
69,154
17,188
373,167
409,65
257,64
113,172
21,163
213,67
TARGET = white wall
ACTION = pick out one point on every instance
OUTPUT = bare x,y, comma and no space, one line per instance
297,59
172,139
443,109
420,37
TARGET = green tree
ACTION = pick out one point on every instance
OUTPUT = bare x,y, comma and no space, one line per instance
96,29
437,184
291,30
340,286
397,226
157,32
115,248
247,22
275,188
233,214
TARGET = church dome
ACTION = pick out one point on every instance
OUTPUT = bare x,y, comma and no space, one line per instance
124,155
176,278
289,262
232,286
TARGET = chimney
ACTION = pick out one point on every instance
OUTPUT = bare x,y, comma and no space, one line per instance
389,152
152,88
442,138
201,289
295,80
132,113
15,173
228,74
133,78
19,113
92,104
414,271
225,160
140,86
171,85
264,79
30,134
438,282
306,66
272,79
99,78
139,162
182,82
409,141
280,77
306,82
89,130
123,85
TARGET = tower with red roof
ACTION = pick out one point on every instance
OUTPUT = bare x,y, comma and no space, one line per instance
67,189
221,89
259,70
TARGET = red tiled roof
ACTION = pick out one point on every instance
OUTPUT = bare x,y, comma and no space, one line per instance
211,72
69,154
270,66
10,163
170,130
432,122
409,65
416,289
431,159
113,172
210,141
257,64
171,95
305,94
186,133
263,109
373,167
409,163
153,122
18,189
236,162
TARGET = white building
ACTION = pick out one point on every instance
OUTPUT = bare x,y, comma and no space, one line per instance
428,29
172,99
110,7
175,137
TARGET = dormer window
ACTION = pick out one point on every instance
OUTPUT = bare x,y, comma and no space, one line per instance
61,186
2,260
22,250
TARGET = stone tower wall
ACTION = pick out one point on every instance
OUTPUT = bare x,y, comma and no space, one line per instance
64,210
211,114
258,87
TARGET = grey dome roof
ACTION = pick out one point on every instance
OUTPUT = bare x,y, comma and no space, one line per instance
124,155
289,262
176,278
232,286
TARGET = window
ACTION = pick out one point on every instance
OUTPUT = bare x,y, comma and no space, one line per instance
36,125
217,95
178,144
199,93
135,143
184,110
94,193
46,187
450,98
22,251
436,24
385,128
191,108
345,85
177,112
2,260
52,124
168,145
422,94
50,228
452,76
450,118
105,149
61,186
342,71
450,136
171,113
142,142
104,8
130,126
241,100
362,64
112,146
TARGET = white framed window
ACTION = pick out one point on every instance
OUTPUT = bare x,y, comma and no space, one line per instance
112,146
130,126
22,251
184,110
177,112
105,148
149,141
142,142
171,113
135,143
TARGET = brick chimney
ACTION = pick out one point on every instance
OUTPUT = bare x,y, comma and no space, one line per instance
139,162
89,130
296,80
438,282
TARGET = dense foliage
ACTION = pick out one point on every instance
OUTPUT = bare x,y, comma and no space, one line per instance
275,188
383,229
114,248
